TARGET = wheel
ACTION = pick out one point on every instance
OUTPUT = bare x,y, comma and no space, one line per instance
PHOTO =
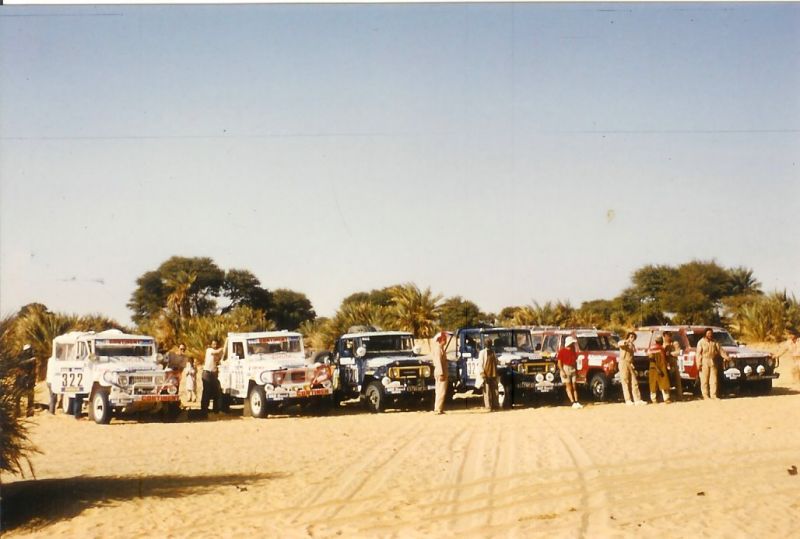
374,398
53,400
100,408
171,411
599,387
258,402
505,393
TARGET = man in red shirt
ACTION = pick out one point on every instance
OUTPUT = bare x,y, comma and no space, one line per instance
567,360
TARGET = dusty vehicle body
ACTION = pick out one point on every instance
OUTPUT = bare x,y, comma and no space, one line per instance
383,369
114,370
522,372
746,368
597,368
268,370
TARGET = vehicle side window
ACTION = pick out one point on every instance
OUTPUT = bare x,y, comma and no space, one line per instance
83,350
238,349
347,348
643,339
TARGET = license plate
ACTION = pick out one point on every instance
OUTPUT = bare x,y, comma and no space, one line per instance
73,389
545,389
415,388
159,398
313,392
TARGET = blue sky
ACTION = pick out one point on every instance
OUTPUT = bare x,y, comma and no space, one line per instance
505,153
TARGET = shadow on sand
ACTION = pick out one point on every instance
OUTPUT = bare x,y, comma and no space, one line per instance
37,503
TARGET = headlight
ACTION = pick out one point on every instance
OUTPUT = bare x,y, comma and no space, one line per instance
108,377
386,381
172,389
748,370
266,377
761,369
269,388
540,377
550,377
426,372
122,380
393,372
770,362
731,364
553,368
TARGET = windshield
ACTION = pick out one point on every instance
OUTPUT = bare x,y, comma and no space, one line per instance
387,343
597,343
550,344
274,345
721,336
124,348
536,342
520,340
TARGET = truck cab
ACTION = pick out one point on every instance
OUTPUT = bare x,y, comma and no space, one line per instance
596,367
268,370
383,369
522,372
114,370
745,368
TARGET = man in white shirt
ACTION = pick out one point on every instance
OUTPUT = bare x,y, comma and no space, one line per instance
211,390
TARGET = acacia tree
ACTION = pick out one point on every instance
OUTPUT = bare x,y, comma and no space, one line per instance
290,309
455,312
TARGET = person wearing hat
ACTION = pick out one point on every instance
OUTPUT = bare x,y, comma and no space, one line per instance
440,371
657,371
627,373
488,362
567,361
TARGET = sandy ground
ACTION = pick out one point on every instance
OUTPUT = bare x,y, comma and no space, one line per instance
690,469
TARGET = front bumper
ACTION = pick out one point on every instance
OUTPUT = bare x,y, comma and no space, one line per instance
284,394
735,375
399,387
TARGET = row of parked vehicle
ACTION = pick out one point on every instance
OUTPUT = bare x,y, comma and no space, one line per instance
266,371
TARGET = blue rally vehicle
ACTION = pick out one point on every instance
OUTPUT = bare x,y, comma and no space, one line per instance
382,368
522,372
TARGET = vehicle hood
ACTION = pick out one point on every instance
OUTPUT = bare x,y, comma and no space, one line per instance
507,357
277,362
742,352
382,361
127,365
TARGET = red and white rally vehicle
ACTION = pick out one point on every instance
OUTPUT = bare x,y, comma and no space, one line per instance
746,367
597,356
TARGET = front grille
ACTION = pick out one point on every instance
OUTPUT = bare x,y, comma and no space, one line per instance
298,376
144,390
534,368
142,379
405,372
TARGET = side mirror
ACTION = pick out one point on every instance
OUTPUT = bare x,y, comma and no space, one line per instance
361,352
416,350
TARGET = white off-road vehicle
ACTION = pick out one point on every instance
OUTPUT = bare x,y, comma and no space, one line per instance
114,370
268,370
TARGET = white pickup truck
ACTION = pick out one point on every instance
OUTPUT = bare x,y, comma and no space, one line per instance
269,369
114,370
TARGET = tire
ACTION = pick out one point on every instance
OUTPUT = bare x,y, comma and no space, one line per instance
67,405
505,393
599,387
51,407
225,404
171,411
100,408
257,400
374,398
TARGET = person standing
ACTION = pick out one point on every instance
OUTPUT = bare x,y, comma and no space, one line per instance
672,351
211,390
190,381
627,372
708,350
657,372
488,361
792,348
176,361
440,371
26,381
567,361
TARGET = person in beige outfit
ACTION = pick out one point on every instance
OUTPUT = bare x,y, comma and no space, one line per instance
657,372
627,373
672,351
708,350
488,361
440,371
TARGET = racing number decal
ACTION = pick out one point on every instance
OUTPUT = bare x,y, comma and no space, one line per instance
71,379
472,368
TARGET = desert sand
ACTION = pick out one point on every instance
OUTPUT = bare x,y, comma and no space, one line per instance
689,469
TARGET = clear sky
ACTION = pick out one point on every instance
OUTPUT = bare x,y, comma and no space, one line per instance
502,152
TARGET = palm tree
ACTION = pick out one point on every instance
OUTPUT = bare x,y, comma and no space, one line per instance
415,310
38,327
741,282
180,286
